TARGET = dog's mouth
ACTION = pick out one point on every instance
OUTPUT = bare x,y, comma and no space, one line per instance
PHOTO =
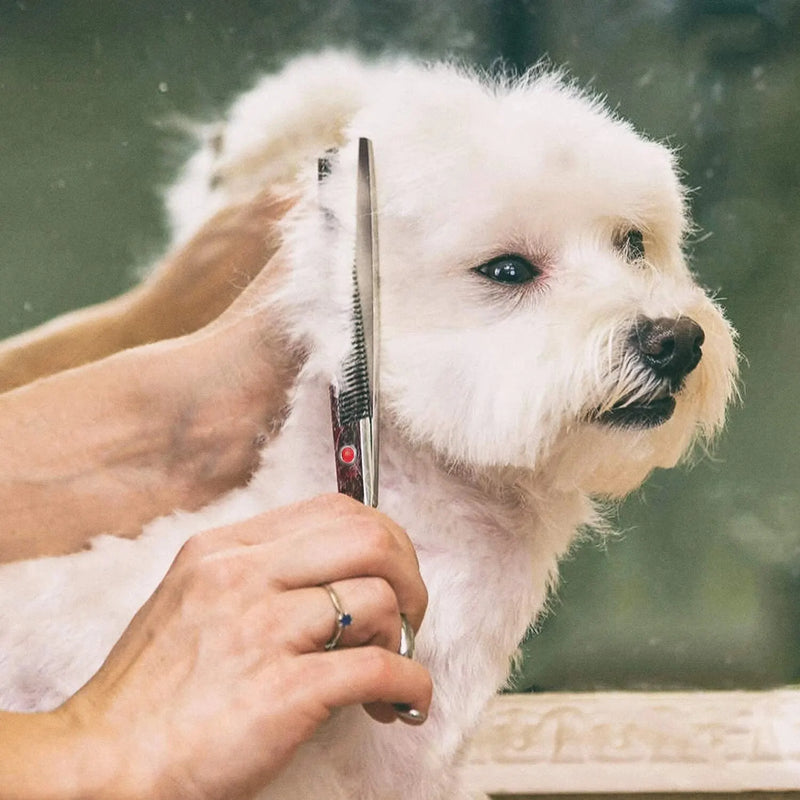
641,415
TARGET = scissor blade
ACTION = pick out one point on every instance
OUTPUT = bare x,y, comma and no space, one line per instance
366,270
366,261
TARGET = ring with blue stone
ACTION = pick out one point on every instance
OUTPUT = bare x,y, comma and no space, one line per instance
343,619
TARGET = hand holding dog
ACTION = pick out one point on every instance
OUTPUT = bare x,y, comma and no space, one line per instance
222,675
170,424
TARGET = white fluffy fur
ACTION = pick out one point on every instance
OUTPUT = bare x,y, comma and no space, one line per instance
489,458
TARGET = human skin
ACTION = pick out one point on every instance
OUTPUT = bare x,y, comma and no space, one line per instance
189,288
205,696
114,443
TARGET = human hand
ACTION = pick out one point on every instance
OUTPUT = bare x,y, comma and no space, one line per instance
223,673
165,425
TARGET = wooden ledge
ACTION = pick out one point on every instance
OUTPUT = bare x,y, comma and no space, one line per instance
638,742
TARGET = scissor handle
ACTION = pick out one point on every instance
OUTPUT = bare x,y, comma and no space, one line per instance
348,453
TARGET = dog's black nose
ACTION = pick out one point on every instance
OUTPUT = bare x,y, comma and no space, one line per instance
671,347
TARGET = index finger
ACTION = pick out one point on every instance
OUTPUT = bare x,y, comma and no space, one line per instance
328,539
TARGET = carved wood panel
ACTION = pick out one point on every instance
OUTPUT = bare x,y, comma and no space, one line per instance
638,742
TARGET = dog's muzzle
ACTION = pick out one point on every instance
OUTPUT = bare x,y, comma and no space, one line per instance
668,350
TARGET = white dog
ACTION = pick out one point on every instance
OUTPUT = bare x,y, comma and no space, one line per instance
543,344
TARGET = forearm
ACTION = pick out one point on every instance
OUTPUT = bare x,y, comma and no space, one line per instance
85,451
69,341
109,446
188,289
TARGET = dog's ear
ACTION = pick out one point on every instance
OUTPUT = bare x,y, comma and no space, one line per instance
270,139
274,131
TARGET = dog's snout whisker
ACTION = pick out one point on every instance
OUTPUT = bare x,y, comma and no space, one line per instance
638,396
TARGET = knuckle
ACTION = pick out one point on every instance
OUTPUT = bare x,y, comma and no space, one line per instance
218,575
375,541
384,600
336,504
376,665
194,549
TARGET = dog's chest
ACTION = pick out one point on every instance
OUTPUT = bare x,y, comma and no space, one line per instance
486,573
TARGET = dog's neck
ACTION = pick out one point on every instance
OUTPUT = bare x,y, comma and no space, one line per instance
510,522
514,494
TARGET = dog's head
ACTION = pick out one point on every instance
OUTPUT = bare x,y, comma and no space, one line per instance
537,310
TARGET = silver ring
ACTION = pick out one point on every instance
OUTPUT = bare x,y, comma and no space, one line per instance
343,619
406,638
405,711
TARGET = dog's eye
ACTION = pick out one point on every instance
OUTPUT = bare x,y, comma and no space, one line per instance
508,269
631,243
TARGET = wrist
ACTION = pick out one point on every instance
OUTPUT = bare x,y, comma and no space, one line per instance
100,758
52,756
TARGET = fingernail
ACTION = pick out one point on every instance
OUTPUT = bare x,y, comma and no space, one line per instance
409,714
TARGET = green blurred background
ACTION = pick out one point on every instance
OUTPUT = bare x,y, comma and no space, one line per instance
702,589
